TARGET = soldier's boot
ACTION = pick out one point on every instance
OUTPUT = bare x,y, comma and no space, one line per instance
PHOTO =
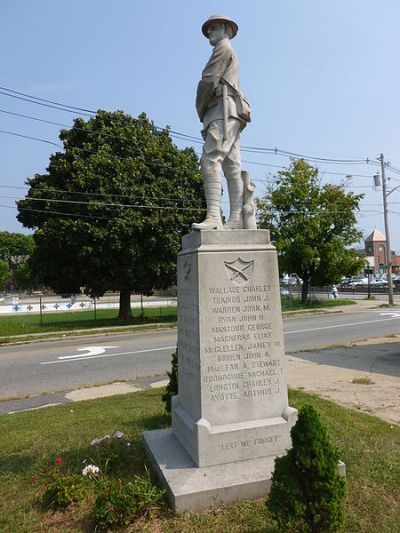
212,189
235,190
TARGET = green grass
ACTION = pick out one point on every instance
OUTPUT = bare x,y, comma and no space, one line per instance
28,441
108,318
72,320
294,304
363,381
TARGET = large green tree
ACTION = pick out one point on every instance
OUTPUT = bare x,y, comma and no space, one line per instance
4,274
110,212
15,247
312,226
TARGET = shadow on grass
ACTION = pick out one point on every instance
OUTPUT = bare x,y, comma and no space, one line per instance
159,421
16,464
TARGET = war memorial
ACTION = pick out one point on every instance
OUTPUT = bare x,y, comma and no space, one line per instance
231,416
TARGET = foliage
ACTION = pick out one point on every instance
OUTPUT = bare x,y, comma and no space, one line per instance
4,274
172,387
62,487
63,491
111,452
118,503
24,277
307,492
113,208
14,245
312,226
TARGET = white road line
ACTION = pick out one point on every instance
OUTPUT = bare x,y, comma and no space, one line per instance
90,352
108,355
340,325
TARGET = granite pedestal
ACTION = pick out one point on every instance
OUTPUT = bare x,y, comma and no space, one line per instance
231,417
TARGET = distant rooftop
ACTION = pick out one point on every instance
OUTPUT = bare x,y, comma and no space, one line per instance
376,235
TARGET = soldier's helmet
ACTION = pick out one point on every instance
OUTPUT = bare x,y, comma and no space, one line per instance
220,18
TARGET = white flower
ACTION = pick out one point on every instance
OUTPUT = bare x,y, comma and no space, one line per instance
128,443
118,435
90,469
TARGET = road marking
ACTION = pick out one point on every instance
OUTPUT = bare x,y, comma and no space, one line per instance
108,355
342,325
392,314
92,350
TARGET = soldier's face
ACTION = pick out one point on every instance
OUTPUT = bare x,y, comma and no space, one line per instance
216,32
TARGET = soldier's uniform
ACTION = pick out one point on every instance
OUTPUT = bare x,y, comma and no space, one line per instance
221,148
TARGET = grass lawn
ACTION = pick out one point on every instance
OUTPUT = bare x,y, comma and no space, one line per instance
28,441
107,318
72,320
294,304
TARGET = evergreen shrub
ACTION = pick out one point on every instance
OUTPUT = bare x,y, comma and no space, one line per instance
307,493
172,387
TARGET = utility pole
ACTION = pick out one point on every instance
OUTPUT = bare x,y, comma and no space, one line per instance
385,215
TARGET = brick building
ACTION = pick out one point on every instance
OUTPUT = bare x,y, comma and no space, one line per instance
375,251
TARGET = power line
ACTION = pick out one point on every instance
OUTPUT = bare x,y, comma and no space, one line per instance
55,212
85,193
251,149
31,138
102,204
48,101
42,104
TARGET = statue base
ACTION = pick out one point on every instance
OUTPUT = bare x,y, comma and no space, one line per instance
231,417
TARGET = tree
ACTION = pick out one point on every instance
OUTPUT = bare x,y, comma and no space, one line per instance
110,212
14,245
307,492
312,226
15,248
4,274
24,279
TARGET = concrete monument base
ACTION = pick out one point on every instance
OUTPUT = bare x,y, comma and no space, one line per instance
190,488
231,417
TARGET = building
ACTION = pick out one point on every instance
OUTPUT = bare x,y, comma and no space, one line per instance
375,251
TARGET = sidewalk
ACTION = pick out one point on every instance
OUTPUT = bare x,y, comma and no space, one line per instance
364,375
374,364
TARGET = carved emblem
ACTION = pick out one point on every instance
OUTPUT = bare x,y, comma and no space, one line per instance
239,271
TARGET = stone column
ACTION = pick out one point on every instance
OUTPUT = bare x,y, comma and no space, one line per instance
231,417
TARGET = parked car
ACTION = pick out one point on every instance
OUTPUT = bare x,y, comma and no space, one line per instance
291,279
358,281
379,283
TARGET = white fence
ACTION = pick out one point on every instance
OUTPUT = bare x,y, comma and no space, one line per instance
56,304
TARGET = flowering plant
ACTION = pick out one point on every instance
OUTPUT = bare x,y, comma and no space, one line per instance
62,488
110,451
90,470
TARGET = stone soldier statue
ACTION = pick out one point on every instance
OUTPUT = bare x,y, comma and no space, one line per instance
224,111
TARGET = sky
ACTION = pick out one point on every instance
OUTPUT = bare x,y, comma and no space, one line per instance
322,78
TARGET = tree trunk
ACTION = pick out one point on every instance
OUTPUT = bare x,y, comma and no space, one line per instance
304,291
125,312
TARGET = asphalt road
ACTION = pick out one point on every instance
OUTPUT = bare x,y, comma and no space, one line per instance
57,366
